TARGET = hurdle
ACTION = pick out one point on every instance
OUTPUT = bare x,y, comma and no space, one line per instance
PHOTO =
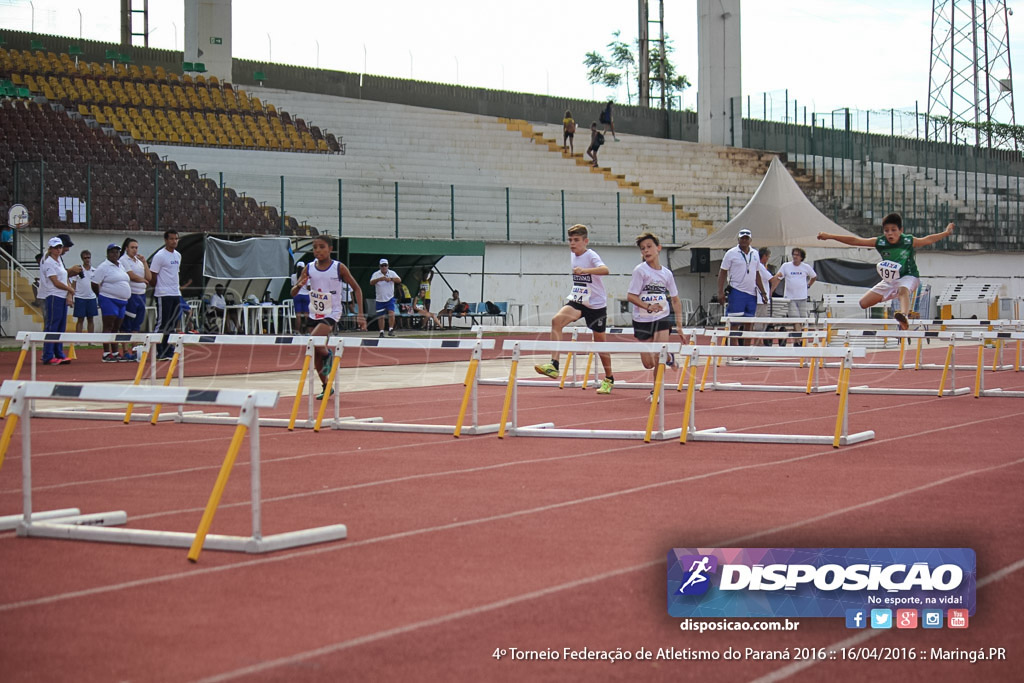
764,356
979,380
31,340
570,377
98,526
308,343
469,399
841,436
655,428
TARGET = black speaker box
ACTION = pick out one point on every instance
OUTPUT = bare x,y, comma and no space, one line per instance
700,260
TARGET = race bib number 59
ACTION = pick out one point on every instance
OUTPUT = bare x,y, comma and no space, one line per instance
319,304
889,271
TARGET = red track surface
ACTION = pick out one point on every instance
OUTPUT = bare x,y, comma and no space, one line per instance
458,547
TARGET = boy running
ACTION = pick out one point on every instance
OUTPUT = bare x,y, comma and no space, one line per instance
587,299
650,290
898,269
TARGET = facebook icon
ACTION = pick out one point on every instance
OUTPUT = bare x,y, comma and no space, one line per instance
856,618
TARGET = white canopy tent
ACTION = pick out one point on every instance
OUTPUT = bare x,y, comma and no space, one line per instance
778,215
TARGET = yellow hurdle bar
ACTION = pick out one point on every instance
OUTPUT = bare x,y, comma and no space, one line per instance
981,369
704,376
682,374
844,383
138,379
329,389
167,383
565,370
470,375
654,400
586,375
298,391
17,371
508,397
215,495
688,405
945,368
5,440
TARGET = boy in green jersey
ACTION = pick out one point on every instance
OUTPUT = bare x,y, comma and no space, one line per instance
898,269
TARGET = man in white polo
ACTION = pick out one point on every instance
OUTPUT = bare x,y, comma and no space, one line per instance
741,269
384,281
166,291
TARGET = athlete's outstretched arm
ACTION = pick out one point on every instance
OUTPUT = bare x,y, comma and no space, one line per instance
852,240
932,239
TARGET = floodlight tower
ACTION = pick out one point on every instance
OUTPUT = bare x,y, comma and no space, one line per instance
970,79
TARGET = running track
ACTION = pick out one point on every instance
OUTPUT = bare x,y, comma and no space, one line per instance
458,547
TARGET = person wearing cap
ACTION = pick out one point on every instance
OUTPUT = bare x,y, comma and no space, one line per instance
165,270
741,270
301,299
113,289
56,294
66,244
384,281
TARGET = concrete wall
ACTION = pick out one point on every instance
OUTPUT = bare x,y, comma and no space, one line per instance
208,35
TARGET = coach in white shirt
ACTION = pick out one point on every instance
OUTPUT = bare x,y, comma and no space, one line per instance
799,277
165,268
740,267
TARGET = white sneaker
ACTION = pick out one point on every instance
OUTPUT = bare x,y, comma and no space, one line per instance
650,396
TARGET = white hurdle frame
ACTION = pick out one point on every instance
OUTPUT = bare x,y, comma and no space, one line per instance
472,383
548,429
96,527
842,437
31,340
979,379
576,382
309,342
570,377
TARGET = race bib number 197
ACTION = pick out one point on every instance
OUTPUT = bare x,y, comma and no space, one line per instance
319,303
889,271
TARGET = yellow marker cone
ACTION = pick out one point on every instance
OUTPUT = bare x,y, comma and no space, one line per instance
71,352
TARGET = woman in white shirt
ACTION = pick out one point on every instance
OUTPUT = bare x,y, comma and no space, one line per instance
56,294
113,289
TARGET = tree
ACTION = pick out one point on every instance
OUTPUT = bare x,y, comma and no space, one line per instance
621,65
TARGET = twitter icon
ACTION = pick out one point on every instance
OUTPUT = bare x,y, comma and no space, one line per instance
881,618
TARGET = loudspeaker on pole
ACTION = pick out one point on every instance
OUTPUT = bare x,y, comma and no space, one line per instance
700,260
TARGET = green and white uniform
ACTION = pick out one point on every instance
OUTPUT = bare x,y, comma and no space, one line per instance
902,253
897,267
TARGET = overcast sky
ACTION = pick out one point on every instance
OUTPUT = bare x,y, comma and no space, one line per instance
866,54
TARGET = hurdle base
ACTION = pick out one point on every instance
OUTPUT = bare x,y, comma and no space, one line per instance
739,386
9,522
375,425
719,434
1010,393
225,419
908,391
85,414
540,430
181,539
